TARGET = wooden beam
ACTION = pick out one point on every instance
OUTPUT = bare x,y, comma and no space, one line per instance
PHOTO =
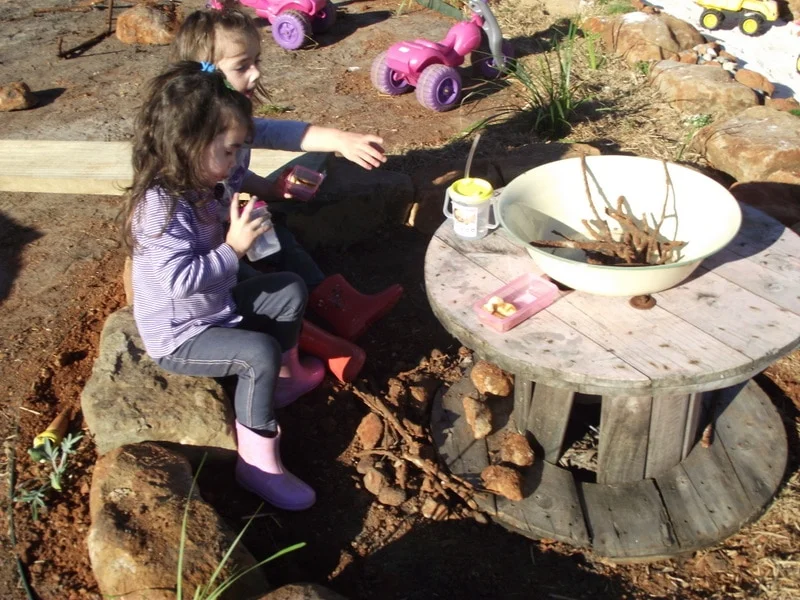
104,168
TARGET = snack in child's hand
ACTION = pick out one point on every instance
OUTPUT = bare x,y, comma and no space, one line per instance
499,307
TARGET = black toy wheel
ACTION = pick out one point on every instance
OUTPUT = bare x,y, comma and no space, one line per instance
711,19
752,25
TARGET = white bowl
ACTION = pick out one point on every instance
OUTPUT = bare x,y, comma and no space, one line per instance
552,198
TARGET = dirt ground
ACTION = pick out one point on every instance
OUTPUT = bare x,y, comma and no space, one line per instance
60,278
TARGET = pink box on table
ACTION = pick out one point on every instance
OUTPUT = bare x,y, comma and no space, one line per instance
528,293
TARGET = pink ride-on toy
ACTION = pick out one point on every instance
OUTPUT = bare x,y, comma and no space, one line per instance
293,21
431,66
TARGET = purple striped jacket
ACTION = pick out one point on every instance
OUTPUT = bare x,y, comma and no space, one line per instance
182,274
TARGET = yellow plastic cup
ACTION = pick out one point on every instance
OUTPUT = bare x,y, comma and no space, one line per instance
472,201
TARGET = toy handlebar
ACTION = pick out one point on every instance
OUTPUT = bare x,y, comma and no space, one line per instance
492,29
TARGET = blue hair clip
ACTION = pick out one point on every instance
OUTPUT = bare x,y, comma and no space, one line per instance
207,67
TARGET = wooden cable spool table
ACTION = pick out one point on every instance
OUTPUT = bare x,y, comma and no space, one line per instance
659,375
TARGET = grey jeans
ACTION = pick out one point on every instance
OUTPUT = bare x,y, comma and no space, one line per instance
272,307
294,258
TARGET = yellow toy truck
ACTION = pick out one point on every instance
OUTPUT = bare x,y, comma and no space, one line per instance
754,16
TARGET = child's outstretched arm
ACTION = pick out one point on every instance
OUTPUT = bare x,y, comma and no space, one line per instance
364,149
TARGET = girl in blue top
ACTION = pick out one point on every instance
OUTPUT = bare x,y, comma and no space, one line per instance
230,40
197,312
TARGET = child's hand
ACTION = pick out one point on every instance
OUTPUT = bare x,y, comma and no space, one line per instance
243,232
364,149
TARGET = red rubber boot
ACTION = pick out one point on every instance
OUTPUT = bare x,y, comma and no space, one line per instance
344,359
297,377
348,311
259,470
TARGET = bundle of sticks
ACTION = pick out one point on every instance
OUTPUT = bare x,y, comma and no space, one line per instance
638,245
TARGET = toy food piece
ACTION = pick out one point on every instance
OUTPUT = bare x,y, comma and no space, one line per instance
499,307
298,180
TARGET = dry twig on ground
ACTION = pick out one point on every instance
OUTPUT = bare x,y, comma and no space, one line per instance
440,479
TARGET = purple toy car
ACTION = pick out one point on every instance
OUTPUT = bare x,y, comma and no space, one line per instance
431,66
293,21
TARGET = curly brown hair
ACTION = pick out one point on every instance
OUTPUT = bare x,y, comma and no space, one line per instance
200,32
185,108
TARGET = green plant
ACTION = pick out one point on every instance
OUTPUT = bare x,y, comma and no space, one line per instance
446,8
795,112
268,109
694,122
36,497
550,95
213,590
642,67
596,60
615,7
401,9
36,492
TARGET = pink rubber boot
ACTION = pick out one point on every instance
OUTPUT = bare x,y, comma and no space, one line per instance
259,470
297,377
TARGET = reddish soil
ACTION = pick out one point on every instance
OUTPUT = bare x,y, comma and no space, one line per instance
60,279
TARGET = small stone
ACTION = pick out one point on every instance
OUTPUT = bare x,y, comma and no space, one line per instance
420,394
16,96
755,81
434,510
480,517
147,24
514,448
503,481
365,464
491,379
784,104
478,415
391,496
370,431
374,481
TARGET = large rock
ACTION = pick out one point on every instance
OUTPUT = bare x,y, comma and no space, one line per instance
789,9
779,200
302,591
136,504
639,36
758,144
701,89
16,96
350,206
130,399
148,24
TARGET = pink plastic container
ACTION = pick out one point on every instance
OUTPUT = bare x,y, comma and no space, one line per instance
528,293
302,183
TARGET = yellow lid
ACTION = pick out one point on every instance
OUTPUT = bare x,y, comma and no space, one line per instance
472,190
